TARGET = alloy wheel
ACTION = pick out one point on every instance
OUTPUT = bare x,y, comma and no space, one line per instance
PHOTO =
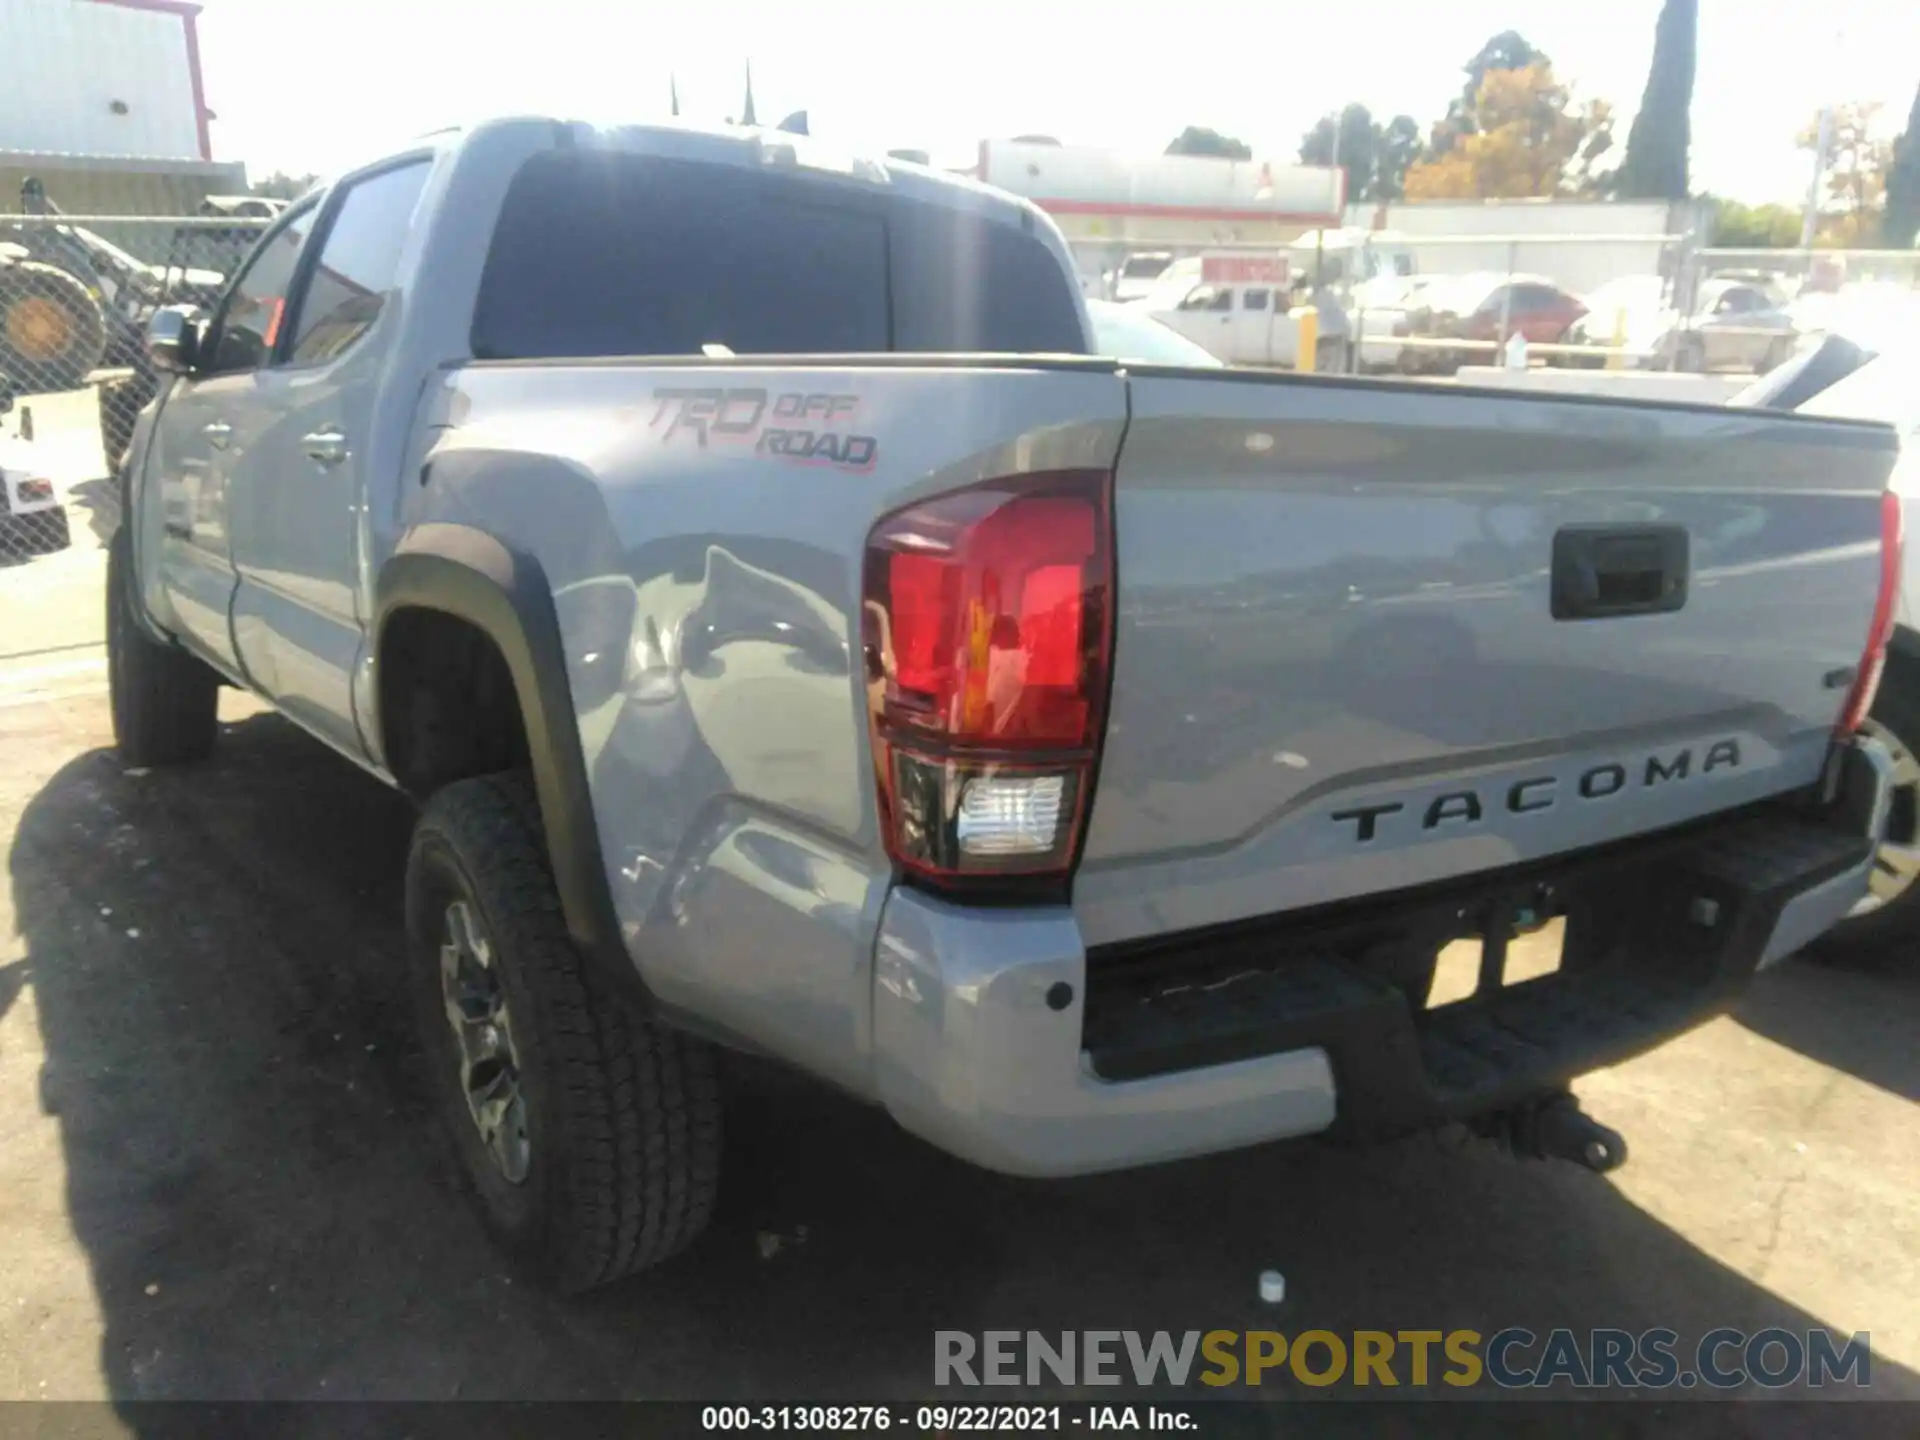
487,1057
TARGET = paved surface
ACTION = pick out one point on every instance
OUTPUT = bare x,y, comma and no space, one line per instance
217,1178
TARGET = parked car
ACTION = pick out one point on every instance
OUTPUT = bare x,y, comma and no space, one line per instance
1885,387
1241,305
34,519
1735,325
1137,274
1085,762
1126,332
1245,322
1484,307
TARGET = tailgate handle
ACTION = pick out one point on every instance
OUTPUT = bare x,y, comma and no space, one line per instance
1604,571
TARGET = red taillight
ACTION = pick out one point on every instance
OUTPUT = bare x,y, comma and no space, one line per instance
988,627
1873,659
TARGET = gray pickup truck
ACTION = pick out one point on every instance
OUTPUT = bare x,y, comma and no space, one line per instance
798,642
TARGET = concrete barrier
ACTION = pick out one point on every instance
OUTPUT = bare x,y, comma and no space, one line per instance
1627,384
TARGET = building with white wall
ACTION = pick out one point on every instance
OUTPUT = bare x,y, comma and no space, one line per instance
105,102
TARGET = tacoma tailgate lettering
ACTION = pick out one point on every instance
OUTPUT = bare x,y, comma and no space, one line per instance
1467,807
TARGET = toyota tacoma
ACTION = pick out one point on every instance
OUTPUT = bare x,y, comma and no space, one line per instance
798,641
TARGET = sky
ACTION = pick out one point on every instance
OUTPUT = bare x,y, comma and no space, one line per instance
319,85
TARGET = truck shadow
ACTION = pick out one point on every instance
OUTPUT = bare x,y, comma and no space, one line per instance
1855,1013
268,1212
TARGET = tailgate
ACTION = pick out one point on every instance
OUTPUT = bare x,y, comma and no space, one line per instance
1337,664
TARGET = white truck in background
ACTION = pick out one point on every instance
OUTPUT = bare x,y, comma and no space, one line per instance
1243,306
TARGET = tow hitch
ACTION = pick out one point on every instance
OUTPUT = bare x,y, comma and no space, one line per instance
1554,1127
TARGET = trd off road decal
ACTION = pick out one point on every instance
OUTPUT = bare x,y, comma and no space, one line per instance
806,427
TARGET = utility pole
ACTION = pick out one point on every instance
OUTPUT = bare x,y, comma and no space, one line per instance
1823,139
1823,143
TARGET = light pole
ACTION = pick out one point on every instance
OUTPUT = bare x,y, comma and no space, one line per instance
1823,142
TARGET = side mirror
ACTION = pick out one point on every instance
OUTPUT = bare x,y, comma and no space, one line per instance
173,338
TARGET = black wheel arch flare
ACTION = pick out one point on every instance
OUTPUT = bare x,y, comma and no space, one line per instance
473,576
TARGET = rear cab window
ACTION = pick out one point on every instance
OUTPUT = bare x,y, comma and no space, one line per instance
603,253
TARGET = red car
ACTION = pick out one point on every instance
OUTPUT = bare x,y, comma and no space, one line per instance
1486,307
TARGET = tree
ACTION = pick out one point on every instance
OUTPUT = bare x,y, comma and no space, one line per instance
1198,140
1856,175
1901,224
1374,157
1525,137
1754,227
1349,139
282,186
1399,147
1509,50
1656,164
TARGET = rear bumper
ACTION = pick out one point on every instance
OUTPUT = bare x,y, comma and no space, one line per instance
999,1038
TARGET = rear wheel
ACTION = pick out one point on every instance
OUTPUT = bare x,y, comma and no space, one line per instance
165,703
52,331
589,1135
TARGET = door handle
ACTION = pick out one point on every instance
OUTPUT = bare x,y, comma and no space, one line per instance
327,447
218,433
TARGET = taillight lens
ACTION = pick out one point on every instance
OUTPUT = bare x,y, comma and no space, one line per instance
1873,660
988,629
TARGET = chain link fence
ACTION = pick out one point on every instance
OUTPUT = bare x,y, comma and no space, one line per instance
76,293
1438,305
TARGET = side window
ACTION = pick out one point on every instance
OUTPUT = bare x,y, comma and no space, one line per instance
1254,300
249,321
358,261
1205,297
1534,297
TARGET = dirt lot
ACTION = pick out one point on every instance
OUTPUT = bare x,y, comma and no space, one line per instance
217,1179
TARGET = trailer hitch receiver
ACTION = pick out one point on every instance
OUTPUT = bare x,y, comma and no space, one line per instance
1554,1127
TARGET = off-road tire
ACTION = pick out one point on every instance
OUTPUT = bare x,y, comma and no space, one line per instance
165,702
622,1115
30,282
